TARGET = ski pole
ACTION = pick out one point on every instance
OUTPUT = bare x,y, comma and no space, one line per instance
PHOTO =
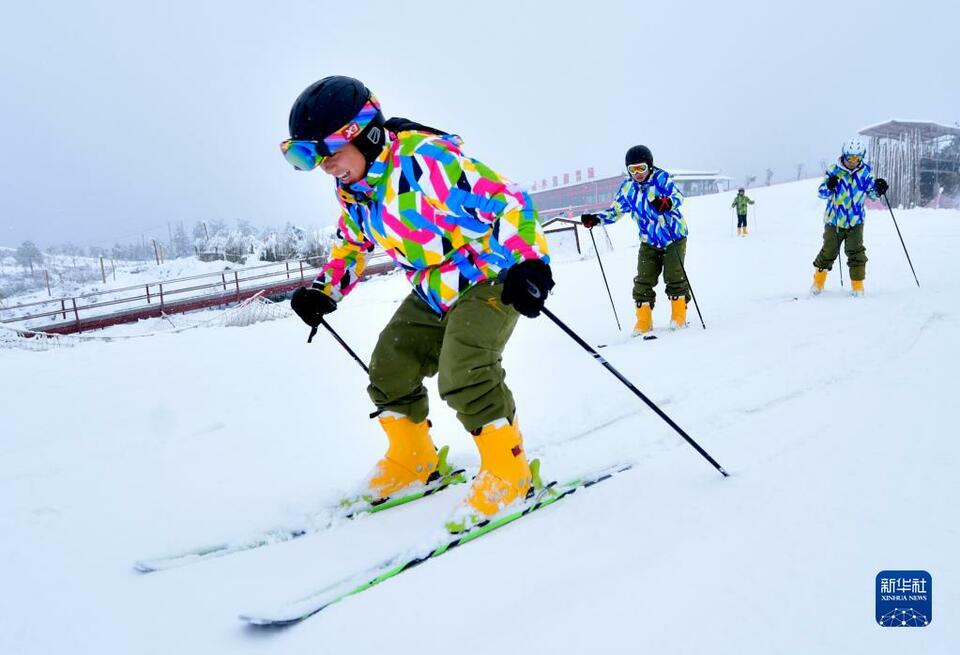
609,295
597,356
901,239
839,256
690,286
323,322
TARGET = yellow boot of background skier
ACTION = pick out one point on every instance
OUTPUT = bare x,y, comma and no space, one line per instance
819,279
644,319
678,312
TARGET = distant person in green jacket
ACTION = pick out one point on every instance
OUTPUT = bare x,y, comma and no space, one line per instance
740,202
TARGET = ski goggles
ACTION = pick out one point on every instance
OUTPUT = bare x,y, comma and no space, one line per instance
853,159
640,168
307,154
302,155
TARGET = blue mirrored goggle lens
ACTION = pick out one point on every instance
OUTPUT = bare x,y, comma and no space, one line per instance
302,155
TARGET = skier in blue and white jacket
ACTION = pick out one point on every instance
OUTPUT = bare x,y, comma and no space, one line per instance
653,201
845,187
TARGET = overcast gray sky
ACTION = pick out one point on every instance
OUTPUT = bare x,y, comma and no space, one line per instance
120,116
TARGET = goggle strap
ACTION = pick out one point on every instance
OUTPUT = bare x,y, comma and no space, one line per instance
354,126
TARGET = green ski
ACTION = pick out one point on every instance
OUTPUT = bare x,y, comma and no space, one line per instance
316,522
306,607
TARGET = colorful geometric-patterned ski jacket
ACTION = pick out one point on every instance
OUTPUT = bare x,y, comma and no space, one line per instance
658,230
448,220
845,203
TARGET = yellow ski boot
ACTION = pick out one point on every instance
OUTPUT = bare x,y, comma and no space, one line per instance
644,320
819,279
856,288
504,476
410,460
678,312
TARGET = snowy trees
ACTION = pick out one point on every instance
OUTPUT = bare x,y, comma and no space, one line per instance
293,242
210,240
65,266
180,245
214,240
28,254
131,252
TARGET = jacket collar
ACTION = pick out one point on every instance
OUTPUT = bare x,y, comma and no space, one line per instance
364,190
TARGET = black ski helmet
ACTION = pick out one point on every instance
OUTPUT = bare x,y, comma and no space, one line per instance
639,154
338,110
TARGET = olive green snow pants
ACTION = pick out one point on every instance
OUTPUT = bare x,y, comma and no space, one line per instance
650,262
465,346
852,239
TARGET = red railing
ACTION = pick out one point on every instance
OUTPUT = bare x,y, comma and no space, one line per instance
132,303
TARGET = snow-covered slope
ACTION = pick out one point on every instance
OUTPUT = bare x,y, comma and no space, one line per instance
85,278
835,416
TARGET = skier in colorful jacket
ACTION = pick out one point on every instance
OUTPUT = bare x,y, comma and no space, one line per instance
653,201
741,201
469,242
845,187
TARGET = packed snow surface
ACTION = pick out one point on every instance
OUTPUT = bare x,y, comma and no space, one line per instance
834,415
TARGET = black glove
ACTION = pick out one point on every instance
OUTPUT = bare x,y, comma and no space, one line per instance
832,182
881,186
526,286
662,204
590,220
311,305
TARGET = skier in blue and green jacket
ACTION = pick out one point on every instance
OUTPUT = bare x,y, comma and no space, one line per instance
651,198
845,188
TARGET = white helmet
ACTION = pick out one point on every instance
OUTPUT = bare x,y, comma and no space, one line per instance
854,146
